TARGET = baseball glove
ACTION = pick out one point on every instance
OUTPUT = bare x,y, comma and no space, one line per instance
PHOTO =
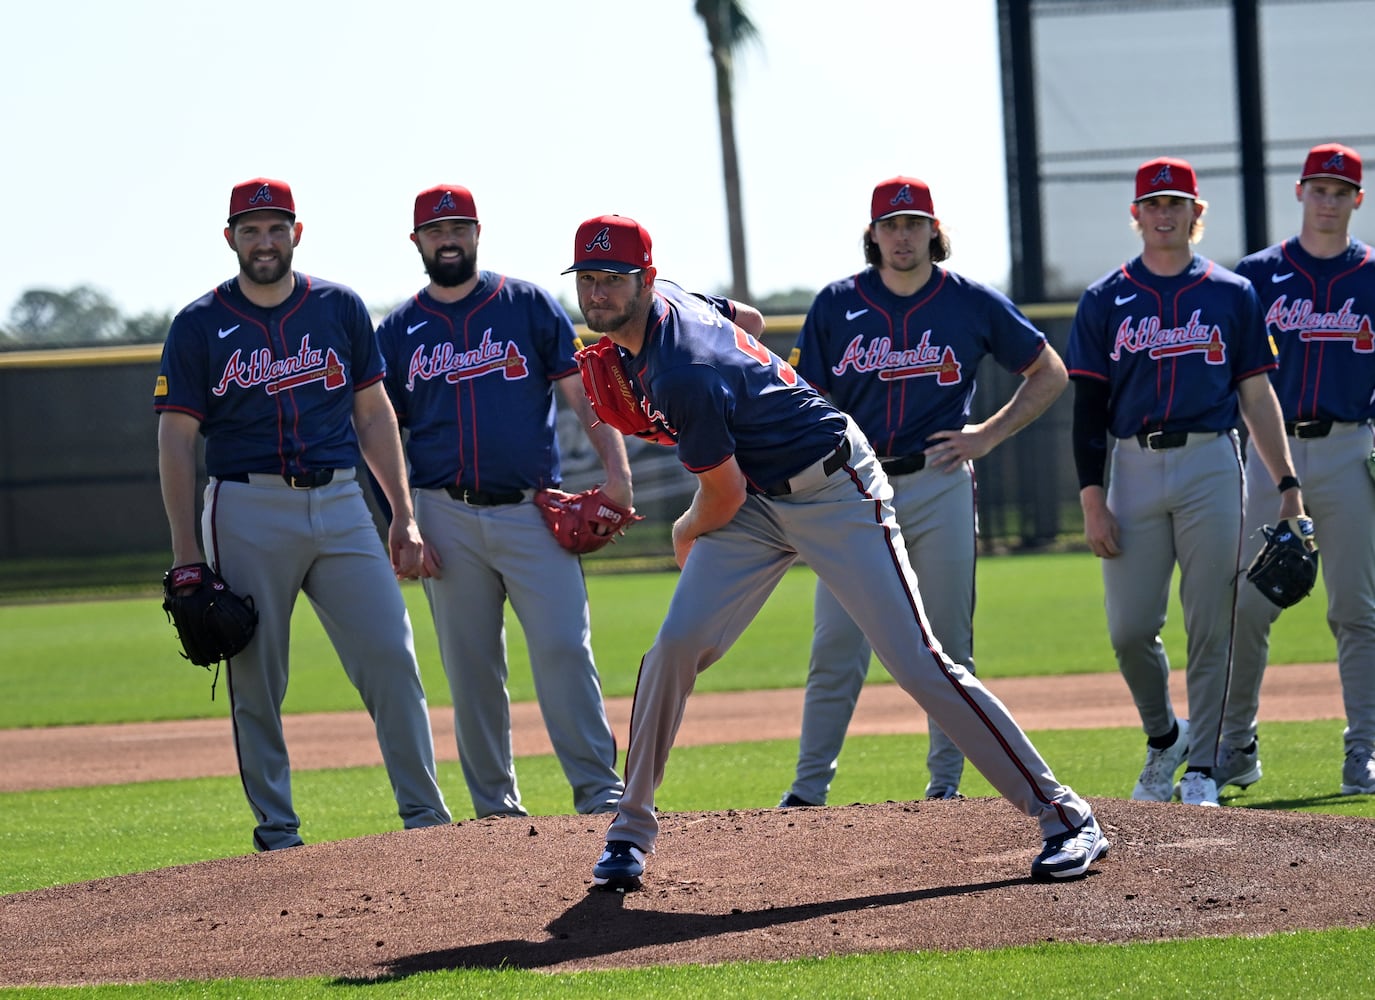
1286,568
613,397
212,622
575,517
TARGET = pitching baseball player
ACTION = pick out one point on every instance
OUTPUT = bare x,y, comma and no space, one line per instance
1164,351
472,362
897,347
1317,291
782,475
280,373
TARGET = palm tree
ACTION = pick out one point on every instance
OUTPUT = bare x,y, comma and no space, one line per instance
728,28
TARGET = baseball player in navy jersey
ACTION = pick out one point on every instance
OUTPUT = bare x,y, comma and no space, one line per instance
280,373
1166,352
1317,291
782,475
472,363
897,346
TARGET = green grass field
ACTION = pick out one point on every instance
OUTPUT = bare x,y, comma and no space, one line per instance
114,660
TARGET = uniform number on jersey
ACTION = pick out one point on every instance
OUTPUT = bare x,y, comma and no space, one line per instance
765,357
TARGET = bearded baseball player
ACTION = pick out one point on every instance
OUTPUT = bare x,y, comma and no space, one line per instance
280,373
897,346
1166,352
1317,291
782,475
473,360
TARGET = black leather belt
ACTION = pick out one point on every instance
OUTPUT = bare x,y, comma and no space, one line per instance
835,460
1308,428
481,498
1161,440
903,466
296,480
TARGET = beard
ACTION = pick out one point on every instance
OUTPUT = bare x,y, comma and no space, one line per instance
606,321
265,272
450,273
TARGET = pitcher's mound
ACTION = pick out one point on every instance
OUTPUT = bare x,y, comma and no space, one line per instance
725,886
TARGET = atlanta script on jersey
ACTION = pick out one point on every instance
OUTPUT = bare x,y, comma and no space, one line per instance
272,388
903,365
472,381
1318,314
1172,348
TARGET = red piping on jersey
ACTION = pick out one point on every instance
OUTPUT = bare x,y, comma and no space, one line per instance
1174,321
476,477
165,408
296,410
899,388
303,285
1322,345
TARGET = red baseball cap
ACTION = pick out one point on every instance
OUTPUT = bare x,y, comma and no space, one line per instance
1166,175
901,196
611,243
1334,160
444,201
261,194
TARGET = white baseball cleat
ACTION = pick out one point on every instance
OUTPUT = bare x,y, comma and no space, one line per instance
1068,855
1197,789
1156,783
1358,772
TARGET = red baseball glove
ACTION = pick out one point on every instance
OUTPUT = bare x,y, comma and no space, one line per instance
586,521
613,397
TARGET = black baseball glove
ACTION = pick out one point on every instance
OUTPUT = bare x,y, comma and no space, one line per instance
1286,569
212,622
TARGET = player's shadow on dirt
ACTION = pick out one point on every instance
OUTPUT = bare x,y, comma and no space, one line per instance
599,925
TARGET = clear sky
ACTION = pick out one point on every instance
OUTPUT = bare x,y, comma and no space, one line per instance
126,125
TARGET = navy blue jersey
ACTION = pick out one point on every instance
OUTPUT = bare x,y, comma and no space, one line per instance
1318,314
904,365
721,392
272,388
472,381
1172,349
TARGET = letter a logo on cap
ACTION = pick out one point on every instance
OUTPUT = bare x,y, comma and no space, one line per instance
1162,177
602,241
1336,163
445,202
262,196
903,197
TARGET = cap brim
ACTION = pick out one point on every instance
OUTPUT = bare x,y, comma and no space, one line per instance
1331,177
445,218
1166,194
614,267
250,211
905,211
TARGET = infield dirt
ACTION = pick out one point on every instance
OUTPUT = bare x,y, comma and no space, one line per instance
747,884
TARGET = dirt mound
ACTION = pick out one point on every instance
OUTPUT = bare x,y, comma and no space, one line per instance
725,886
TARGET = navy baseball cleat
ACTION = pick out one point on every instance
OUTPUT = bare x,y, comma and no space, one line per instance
1069,854
619,867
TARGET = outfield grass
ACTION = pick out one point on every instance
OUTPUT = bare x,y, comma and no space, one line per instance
73,663
114,661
